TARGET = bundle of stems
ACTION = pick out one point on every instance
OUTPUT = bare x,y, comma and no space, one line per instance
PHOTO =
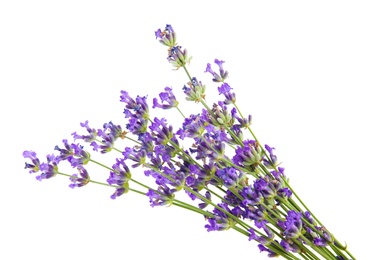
233,182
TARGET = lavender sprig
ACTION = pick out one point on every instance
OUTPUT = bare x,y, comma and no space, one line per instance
234,181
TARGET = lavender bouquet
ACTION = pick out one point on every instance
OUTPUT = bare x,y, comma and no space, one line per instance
231,179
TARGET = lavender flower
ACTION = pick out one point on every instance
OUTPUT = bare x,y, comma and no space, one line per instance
263,240
195,90
65,153
292,226
265,249
230,97
273,161
250,155
205,204
79,180
290,246
119,177
92,133
230,176
49,169
163,196
220,221
109,134
223,74
167,36
309,217
137,112
178,57
162,133
167,97
192,127
35,165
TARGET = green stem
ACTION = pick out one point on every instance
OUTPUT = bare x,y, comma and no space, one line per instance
180,111
217,195
133,140
337,251
103,165
305,256
92,181
187,72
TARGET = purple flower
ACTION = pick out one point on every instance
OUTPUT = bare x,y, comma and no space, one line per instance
109,134
196,90
263,240
230,97
49,169
280,172
217,224
192,127
158,34
178,57
119,177
292,247
141,109
162,133
126,98
272,163
137,113
197,178
260,224
309,218
114,130
292,226
220,64
216,77
205,204
224,89
167,97
147,143
270,188
167,36
285,192
79,180
243,122
66,153
137,125
80,156
163,196
160,180
251,197
230,176
177,178
252,235
95,146
223,74
238,212
320,242
209,70
270,252
35,166
139,158
169,28
248,155
92,133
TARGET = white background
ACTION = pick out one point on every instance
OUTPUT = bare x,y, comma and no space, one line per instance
303,70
